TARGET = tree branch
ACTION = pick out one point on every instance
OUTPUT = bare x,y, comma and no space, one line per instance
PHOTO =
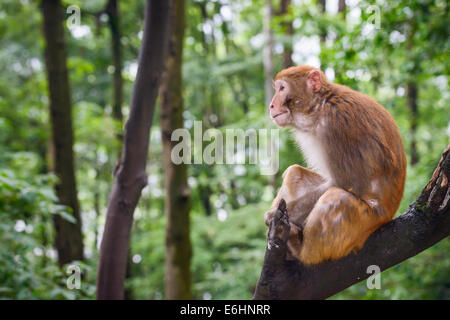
426,222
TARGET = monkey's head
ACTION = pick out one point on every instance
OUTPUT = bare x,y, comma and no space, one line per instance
296,91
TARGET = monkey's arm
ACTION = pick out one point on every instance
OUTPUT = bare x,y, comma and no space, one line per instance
301,188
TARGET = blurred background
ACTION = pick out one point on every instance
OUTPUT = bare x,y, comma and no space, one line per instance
395,51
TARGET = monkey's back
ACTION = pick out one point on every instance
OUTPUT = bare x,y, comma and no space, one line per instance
364,143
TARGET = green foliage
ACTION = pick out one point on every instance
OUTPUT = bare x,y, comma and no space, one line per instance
226,254
425,276
219,270
28,269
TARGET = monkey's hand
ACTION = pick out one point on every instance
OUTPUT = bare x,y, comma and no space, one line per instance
277,273
276,205
295,236
295,209
268,216
279,227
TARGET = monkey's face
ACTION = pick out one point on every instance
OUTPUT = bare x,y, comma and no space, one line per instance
279,110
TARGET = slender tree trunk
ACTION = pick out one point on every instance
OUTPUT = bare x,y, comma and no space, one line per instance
342,7
204,194
323,32
289,32
411,101
268,70
130,176
234,195
97,216
412,90
68,238
323,35
97,211
268,54
112,9
239,98
177,203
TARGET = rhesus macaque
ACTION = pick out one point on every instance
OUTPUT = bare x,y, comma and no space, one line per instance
355,150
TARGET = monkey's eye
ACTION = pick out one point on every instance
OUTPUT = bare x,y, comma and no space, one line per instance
281,88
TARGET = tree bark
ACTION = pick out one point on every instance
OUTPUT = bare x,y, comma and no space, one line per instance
130,175
177,202
289,32
425,223
204,194
342,7
267,53
411,101
323,31
68,237
112,9
268,70
322,34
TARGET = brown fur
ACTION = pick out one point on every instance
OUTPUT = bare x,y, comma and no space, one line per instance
364,157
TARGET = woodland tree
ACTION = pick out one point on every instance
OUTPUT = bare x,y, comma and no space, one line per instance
130,175
177,200
68,237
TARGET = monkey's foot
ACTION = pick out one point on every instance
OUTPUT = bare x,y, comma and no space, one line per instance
295,242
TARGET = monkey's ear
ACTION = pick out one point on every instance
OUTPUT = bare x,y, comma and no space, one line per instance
313,80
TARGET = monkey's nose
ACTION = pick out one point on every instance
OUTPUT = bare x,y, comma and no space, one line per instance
271,106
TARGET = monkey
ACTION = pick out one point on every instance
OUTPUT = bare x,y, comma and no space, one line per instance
356,165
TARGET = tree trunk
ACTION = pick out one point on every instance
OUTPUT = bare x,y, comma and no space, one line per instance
204,194
268,54
425,223
177,202
411,101
322,34
268,72
112,9
342,7
130,175
97,216
68,237
289,32
323,31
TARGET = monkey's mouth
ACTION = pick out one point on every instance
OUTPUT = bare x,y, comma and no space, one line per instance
279,114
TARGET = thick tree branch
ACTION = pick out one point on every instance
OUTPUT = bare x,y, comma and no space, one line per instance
426,222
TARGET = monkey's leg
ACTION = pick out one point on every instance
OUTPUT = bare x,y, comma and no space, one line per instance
338,224
294,241
301,188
